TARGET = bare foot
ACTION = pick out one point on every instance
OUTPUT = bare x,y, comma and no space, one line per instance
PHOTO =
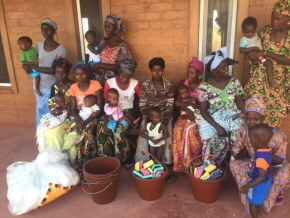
38,93
261,211
273,83
136,121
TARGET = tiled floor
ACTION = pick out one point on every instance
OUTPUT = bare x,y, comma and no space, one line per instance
177,200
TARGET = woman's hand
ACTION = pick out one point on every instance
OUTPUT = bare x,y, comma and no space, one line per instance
107,130
221,131
26,68
80,129
255,54
190,115
244,189
78,120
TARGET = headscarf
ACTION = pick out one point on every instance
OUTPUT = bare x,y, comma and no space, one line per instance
51,23
128,66
156,62
198,65
114,19
62,62
256,104
213,61
83,64
282,7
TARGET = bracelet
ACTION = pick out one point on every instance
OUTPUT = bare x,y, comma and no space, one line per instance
265,52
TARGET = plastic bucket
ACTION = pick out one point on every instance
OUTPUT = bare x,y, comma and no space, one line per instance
150,189
102,175
206,191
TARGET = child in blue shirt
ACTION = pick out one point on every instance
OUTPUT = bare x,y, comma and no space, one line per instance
258,189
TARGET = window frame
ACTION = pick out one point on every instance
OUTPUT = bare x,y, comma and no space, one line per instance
12,88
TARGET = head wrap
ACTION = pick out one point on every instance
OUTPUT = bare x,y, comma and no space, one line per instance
282,7
50,22
83,64
156,62
128,66
114,19
198,65
62,62
256,104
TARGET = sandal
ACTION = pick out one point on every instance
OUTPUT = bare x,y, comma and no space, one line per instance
279,199
171,179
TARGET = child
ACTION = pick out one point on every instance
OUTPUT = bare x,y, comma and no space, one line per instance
155,132
59,105
114,112
251,42
257,191
29,56
93,48
191,103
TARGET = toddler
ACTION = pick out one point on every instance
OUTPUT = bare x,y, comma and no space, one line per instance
114,112
29,56
93,48
191,103
251,42
258,189
155,132
59,105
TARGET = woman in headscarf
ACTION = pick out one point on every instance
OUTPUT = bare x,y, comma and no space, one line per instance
115,49
243,152
48,50
220,100
186,140
157,92
116,144
275,39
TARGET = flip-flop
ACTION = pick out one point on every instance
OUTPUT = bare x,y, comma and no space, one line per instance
171,179
279,199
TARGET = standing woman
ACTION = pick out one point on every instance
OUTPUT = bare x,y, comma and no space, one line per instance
186,140
48,50
275,41
219,97
115,49
116,144
158,92
87,148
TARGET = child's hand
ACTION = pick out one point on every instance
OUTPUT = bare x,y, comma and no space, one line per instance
244,189
241,116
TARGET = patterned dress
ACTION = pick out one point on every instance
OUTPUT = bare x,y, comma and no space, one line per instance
219,99
239,168
186,140
276,100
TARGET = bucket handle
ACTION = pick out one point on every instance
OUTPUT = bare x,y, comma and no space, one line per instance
210,155
93,183
148,153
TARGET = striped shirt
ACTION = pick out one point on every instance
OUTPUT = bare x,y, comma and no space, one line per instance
164,99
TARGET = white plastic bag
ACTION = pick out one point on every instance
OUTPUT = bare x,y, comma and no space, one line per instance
29,182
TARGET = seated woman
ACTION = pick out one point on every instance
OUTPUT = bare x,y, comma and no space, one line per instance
116,144
157,92
220,100
114,51
243,151
87,148
186,140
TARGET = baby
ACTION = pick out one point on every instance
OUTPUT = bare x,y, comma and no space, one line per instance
251,42
258,189
59,105
191,103
89,108
114,112
155,132
29,56
93,48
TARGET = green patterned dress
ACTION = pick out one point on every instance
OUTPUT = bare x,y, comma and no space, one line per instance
277,101
217,100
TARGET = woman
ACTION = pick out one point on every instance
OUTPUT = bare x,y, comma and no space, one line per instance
117,144
115,49
275,41
243,151
87,148
159,92
220,100
48,50
186,140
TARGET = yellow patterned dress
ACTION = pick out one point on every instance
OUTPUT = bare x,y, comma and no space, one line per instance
280,176
277,101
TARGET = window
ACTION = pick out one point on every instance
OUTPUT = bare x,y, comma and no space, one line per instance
89,18
4,76
217,26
